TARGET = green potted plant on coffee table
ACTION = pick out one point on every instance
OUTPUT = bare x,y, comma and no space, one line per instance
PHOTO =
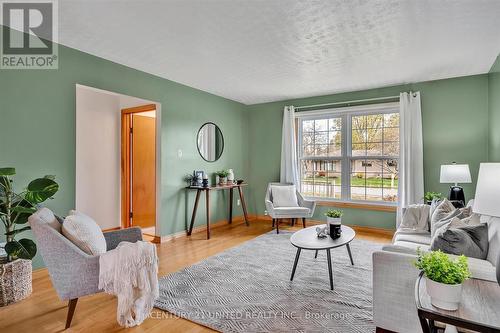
15,208
443,277
334,216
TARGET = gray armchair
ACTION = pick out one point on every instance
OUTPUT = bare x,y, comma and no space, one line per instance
73,272
303,211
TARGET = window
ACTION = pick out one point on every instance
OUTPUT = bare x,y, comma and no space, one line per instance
350,154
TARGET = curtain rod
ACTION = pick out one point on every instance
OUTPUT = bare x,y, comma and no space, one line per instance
347,102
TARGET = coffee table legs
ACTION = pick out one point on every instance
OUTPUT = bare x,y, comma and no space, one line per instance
295,263
350,254
329,259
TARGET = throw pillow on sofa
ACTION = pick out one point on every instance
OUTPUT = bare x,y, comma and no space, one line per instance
443,214
469,240
84,232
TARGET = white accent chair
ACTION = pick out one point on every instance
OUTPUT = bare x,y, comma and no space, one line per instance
304,209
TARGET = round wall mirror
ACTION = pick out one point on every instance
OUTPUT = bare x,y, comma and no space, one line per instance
210,142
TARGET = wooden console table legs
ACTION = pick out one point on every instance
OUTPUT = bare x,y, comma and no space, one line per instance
207,197
195,208
243,204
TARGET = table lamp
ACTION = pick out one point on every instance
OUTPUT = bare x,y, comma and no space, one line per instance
454,174
487,194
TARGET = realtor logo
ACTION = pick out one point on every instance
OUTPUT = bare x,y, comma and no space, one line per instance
29,34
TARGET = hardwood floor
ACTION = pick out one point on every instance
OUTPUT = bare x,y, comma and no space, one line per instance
44,312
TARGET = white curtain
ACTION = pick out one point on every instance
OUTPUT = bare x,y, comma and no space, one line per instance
411,156
289,163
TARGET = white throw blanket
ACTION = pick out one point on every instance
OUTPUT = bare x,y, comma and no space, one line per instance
130,271
415,218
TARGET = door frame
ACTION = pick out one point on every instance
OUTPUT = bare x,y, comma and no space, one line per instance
126,116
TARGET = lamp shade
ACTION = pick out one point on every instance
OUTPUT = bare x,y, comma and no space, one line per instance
455,173
488,190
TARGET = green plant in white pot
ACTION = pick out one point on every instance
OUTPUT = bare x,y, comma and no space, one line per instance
334,216
444,277
15,208
222,176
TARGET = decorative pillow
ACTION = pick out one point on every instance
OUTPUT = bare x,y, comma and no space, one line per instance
415,217
284,196
469,240
84,232
443,214
46,216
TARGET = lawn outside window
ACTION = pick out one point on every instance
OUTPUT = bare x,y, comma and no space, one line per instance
350,154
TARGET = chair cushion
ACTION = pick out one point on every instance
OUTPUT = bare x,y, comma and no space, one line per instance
284,196
45,216
292,211
84,232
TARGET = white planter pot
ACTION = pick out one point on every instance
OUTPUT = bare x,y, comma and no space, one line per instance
222,180
444,296
334,220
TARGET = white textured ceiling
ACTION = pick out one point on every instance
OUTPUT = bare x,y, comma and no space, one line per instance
258,51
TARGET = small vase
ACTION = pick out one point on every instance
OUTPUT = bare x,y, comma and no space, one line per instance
230,176
222,180
444,296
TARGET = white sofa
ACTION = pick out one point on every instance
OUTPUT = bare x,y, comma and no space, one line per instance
394,276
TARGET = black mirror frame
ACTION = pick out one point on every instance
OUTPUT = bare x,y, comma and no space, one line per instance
223,142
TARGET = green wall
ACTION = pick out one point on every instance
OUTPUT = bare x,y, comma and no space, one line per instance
455,128
494,111
37,130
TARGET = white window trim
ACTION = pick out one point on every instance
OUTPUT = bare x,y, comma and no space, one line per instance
345,113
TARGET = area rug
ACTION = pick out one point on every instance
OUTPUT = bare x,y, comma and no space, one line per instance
248,289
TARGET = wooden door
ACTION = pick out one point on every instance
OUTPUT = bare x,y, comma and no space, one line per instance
143,182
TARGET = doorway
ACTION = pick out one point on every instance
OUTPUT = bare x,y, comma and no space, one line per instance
139,168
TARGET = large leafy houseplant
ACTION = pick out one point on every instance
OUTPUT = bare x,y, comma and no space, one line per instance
15,208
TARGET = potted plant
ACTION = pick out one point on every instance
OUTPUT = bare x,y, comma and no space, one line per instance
429,196
222,176
15,208
334,221
334,216
443,277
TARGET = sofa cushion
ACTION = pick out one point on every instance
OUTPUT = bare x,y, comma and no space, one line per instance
84,232
419,238
45,216
284,196
291,211
411,245
469,240
481,269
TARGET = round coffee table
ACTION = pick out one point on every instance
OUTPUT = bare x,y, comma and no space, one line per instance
307,239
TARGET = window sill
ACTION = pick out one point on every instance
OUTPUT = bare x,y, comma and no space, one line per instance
356,205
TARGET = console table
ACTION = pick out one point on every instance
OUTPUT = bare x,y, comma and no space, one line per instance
207,191
478,310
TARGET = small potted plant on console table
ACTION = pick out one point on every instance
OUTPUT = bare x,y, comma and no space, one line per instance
222,176
444,277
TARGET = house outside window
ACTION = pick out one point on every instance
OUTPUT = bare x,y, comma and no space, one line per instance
350,154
